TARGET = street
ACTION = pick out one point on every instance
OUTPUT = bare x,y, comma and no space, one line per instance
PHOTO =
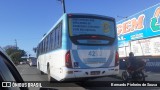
33,74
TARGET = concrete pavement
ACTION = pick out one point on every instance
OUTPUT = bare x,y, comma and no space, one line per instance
32,74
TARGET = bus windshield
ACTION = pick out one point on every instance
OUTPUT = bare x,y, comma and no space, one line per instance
91,30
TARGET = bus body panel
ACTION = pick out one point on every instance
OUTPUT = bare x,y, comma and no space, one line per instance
93,57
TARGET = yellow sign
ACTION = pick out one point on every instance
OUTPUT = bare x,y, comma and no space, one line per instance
106,27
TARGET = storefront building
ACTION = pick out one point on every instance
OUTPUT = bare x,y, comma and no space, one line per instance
140,34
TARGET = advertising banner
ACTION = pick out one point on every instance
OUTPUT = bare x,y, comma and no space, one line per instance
136,48
155,46
144,24
122,52
144,47
81,26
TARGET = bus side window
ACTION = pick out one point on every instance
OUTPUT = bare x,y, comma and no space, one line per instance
60,35
53,40
57,37
58,31
48,47
38,50
43,46
45,42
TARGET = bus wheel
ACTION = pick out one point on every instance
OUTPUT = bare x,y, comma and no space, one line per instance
49,75
42,73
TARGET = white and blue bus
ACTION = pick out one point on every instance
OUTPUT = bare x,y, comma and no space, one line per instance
79,46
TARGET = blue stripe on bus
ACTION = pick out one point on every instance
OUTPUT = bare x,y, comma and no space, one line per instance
77,59
110,59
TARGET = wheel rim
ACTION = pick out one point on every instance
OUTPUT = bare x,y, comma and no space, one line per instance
124,75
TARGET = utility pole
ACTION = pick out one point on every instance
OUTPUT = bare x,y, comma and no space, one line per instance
16,44
63,5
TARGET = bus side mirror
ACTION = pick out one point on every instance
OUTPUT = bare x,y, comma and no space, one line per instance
35,49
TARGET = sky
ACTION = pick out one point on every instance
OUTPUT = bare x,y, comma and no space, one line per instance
28,20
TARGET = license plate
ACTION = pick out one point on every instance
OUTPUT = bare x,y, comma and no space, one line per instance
95,72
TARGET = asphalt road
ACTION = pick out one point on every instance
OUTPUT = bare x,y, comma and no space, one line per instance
32,74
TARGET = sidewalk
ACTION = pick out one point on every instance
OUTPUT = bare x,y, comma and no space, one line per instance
151,76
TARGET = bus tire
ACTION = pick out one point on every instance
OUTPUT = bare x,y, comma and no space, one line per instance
50,79
42,73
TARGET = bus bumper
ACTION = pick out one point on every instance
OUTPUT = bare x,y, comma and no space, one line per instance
72,74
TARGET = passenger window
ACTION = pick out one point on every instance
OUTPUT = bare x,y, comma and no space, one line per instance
48,47
53,40
60,35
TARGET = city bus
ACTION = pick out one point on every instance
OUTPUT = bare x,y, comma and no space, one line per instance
79,46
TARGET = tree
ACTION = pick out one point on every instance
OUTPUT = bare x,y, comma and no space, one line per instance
15,53
10,49
16,57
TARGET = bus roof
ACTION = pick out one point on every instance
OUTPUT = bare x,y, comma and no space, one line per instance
90,15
